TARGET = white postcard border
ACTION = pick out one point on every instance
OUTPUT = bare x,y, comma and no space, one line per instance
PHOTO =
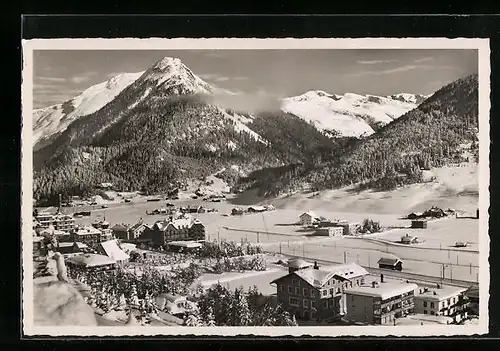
482,45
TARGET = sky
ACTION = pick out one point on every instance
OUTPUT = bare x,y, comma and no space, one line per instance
61,75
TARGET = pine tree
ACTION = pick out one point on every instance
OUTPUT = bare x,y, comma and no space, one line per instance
134,299
240,312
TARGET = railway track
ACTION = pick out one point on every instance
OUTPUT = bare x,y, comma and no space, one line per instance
400,275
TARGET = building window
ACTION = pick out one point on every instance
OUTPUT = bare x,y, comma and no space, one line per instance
454,300
331,291
328,283
313,314
325,303
425,311
448,302
290,290
425,303
304,291
432,313
432,304
293,301
313,304
312,293
294,281
297,291
350,284
338,290
306,303
325,292
282,287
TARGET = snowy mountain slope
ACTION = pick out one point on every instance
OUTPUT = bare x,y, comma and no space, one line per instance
167,77
349,115
55,119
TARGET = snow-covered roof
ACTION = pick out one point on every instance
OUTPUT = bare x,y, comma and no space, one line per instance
257,208
87,231
91,260
113,250
119,227
423,319
389,261
188,244
439,294
81,245
66,244
319,277
309,213
384,290
298,263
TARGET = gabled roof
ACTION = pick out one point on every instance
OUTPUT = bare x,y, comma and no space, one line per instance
91,260
113,250
298,263
81,245
319,277
137,226
389,261
257,208
310,213
66,244
119,227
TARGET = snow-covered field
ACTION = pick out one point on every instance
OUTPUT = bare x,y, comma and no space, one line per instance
440,234
452,187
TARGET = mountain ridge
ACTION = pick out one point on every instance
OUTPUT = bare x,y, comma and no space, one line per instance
163,129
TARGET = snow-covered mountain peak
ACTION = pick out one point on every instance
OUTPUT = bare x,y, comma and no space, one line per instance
410,98
56,118
168,63
170,73
349,114
122,79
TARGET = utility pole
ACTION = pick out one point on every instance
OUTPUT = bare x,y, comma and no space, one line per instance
470,268
303,252
257,237
457,259
345,256
357,257
443,272
280,248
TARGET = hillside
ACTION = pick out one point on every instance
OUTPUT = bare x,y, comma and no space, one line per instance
163,130
349,115
440,131
55,119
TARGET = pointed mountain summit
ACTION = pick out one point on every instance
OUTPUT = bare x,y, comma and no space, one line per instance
174,77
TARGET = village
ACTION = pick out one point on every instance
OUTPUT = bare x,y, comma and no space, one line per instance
162,258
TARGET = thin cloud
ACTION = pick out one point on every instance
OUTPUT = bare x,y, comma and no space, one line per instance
51,79
209,76
374,62
423,59
80,79
240,78
401,69
214,55
221,79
